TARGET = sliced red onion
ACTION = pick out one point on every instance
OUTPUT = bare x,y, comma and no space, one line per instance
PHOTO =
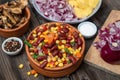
58,10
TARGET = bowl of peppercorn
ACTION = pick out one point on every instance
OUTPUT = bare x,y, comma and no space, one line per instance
12,46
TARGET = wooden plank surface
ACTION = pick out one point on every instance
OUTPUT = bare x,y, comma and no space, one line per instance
9,64
93,55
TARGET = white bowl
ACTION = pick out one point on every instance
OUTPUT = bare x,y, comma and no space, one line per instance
71,22
87,29
15,52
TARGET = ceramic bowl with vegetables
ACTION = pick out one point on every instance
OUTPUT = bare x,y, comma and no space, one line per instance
12,46
55,49
68,11
14,18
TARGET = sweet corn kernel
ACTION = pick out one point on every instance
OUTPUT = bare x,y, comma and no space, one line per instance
31,53
39,33
28,73
46,32
51,65
49,59
64,55
48,65
54,59
50,54
45,40
36,75
60,64
79,48
34,35
40,45
62,46
56,63
59,47
63,50
42,36
72,40
34,32
57,41
63,59
64,41
21,66
55,31
59,60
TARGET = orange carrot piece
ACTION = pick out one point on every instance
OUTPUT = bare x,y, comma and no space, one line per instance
33,72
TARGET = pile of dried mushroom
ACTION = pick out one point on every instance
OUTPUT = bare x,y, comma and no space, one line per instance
12,15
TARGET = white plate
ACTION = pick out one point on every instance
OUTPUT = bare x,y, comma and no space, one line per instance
71,22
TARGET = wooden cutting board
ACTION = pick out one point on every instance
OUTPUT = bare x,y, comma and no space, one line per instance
93,55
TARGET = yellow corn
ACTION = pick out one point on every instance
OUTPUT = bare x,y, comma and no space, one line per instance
64,55
57,41
59,47
72,40
48,65
28,73
34,32
63,59
40,45
21,66
60,64
48,59
34,35
36,75
54,59
79,48
62,46
31,53
63,50
61,26
51,65
56,63
45,40
46,32
59,60
80,35
64,41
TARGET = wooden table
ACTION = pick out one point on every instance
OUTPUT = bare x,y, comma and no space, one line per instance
9,64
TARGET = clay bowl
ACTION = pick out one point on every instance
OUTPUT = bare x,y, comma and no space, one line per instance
19,30
57,71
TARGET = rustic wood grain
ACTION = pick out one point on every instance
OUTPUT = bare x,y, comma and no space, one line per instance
9,64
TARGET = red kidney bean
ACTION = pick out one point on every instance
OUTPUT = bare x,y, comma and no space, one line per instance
60,55
43,64
76,34
55,52
44,50
40,58
31,37
63,38
52,44
72,58
46,45
68,45
53,48
66,30
69,38
40,40
35,44
79,42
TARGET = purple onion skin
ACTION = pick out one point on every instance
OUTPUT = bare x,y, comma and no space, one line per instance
109,55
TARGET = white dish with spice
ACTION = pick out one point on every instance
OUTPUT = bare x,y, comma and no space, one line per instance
12,46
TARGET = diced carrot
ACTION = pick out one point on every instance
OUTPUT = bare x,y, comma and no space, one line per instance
78,54
33,72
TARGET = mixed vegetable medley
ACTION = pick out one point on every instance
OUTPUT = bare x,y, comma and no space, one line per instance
55,45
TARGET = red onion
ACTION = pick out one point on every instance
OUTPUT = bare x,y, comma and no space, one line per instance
58,10
109,44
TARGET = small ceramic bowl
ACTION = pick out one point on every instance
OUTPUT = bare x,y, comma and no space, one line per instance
15,52
20,30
